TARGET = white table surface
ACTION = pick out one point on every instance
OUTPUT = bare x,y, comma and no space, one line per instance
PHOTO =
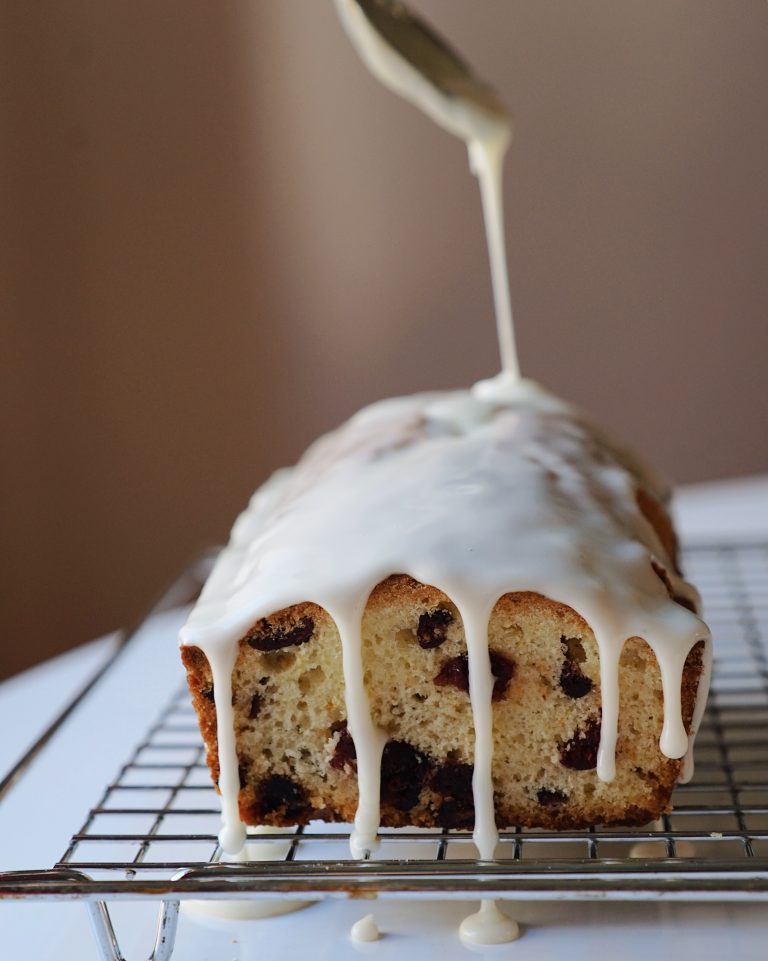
49,803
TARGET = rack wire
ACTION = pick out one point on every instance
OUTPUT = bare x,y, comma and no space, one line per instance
152,833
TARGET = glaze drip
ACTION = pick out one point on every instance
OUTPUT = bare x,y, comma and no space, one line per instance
365,929
488,926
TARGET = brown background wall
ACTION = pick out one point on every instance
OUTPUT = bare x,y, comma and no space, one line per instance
220,237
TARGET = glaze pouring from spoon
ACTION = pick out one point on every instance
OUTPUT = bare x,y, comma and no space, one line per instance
408,57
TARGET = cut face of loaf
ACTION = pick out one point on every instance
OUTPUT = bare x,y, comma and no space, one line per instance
297,760
515,689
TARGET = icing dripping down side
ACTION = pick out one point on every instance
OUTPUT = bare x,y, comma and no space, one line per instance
475,619
232,834
438,486
368,739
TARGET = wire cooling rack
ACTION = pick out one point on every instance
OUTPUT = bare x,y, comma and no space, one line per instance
152,834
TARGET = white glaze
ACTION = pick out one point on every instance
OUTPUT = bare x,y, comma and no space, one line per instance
489,925
251,908
232,834
365,929
486,158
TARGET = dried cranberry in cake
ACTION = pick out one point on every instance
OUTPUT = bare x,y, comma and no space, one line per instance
280,795
548,797
264,638
344,754
580,753
256,702
207,693
455,673
453,782
403,772
433,628
453,779
503,670
572,682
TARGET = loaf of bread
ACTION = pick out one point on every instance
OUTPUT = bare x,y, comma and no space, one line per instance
456,611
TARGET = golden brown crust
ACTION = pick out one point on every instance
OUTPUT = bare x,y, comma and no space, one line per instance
656,515
200,683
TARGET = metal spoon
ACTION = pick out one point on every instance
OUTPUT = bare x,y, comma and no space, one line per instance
408,36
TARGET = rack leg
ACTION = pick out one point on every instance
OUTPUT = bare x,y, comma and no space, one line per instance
104,931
